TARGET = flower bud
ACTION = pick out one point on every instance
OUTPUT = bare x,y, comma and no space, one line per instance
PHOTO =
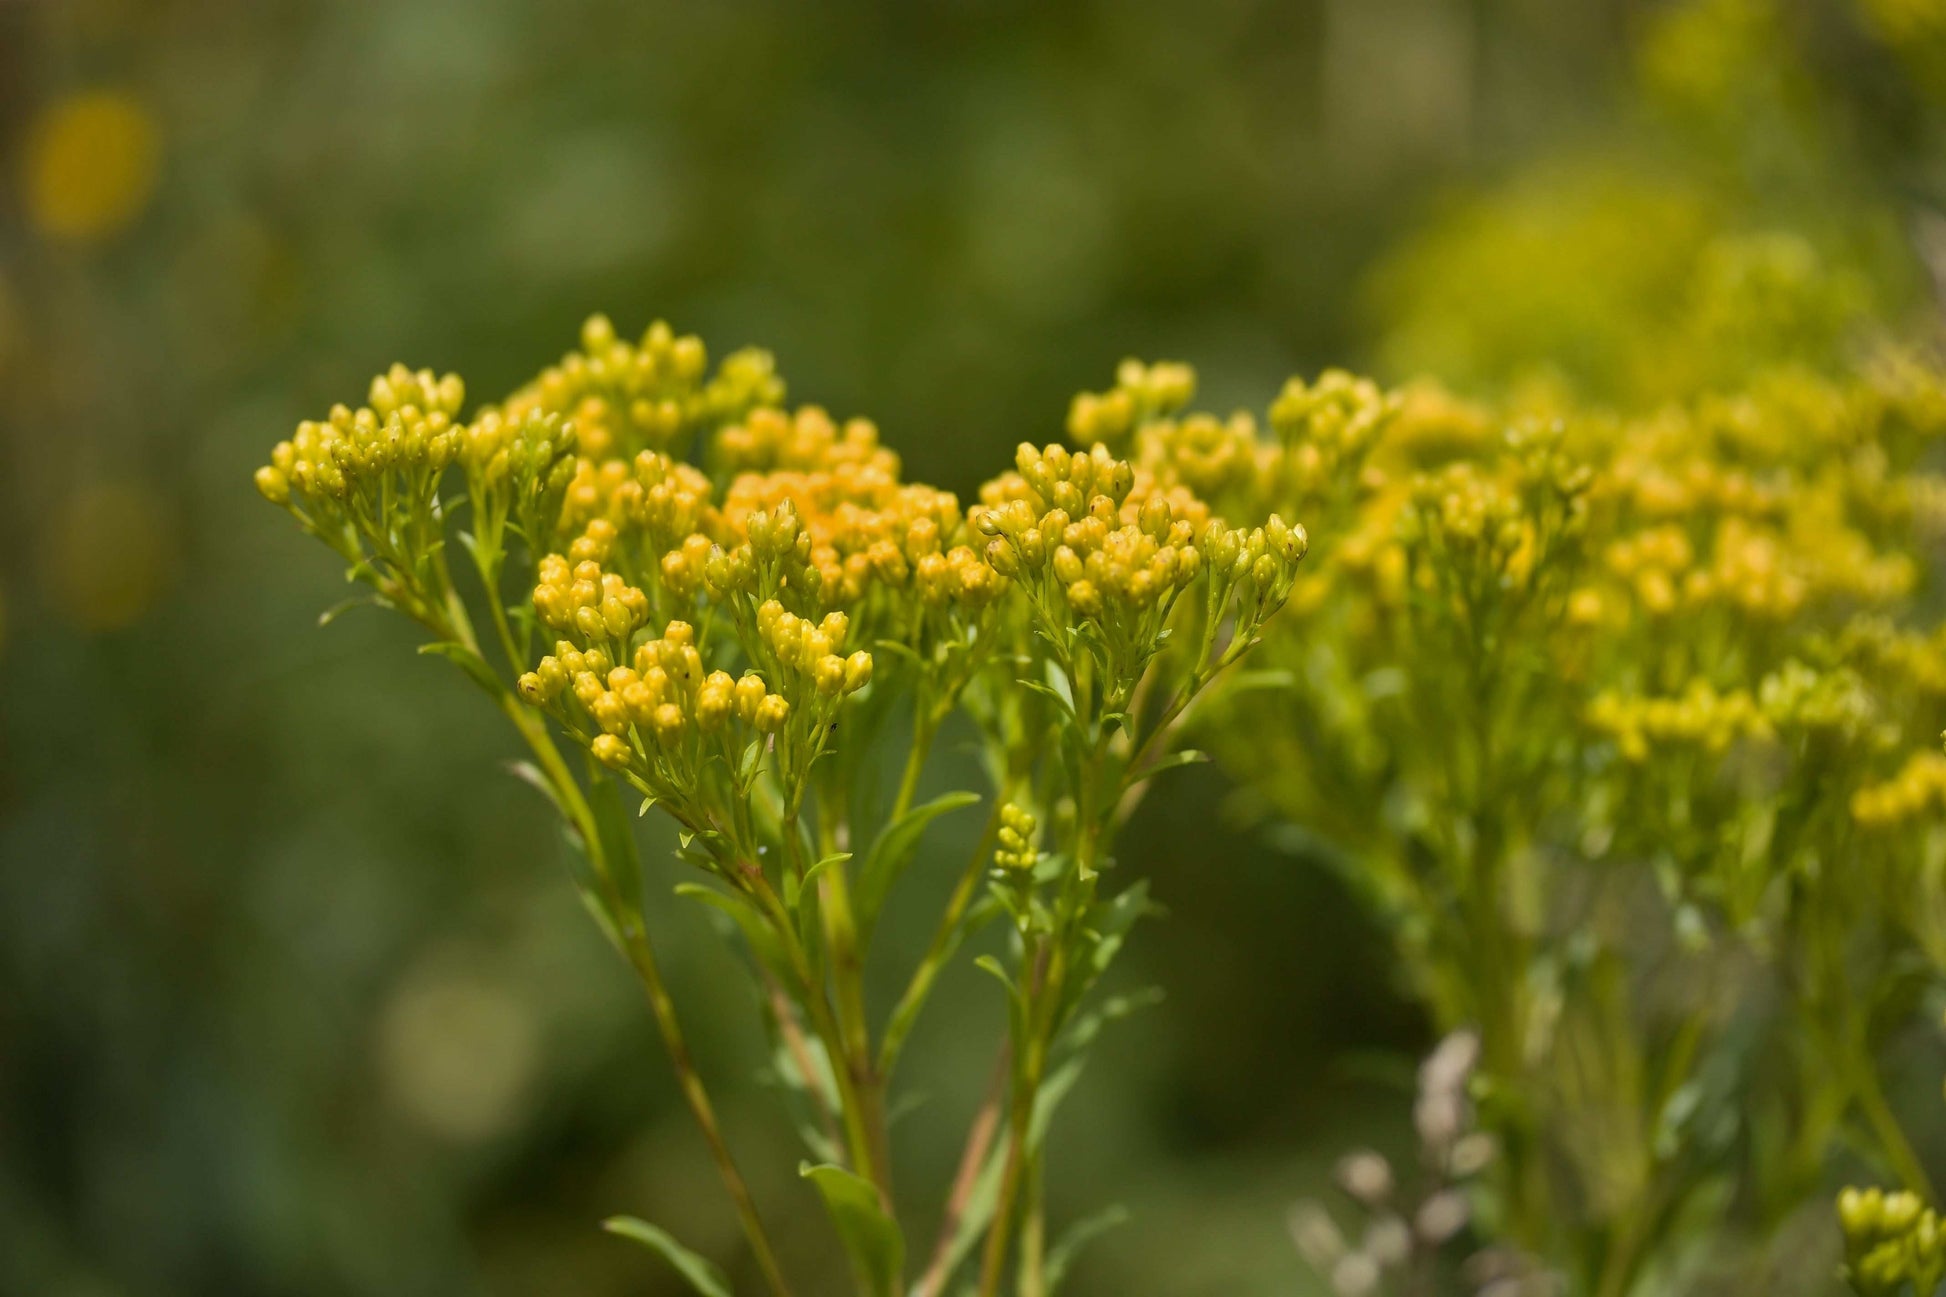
772,713
829,674
750,694
667,721
858,671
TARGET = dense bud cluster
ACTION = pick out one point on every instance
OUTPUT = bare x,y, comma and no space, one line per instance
407,428
1918,789
660,698
583,599
1891,1240
654,394
1096,546
1014,844
730,636
1142,393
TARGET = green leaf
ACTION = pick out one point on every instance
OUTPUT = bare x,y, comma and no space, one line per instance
1016,1003
871,1237
702,1274
1066,703
617,829
1263,678
757,932
806,1096
794,889
1079,1235
984,1200
529,773
895,648
1084,1027
747,765
893,851
1186,757
468,661
344,606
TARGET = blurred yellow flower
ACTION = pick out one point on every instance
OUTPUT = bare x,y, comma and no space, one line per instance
110,555
90,165
458,1053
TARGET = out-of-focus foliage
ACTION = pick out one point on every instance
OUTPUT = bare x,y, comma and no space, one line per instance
1613,689
1747,216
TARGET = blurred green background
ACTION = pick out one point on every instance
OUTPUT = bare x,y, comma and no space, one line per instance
294,998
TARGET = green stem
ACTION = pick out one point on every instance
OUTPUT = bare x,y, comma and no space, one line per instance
1026,1092
641,957
847,973
852,1110
1032,1281
923,727
906,1012
1891,1137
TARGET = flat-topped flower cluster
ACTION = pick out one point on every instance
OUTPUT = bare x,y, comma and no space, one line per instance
746,636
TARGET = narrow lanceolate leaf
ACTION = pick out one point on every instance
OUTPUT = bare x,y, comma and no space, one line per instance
466,660
871,1237
701,1273
894,849
1186,757
344,606
1078,1236
793,888
758,935
529,773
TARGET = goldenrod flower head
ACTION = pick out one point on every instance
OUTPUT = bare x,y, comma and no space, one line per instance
1142,393
1919,788
1015,849
1891,1240
582,598
89,165
769,440
653,394
1335,419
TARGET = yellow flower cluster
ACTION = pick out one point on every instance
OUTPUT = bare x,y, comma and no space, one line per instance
812,651
583,599
1015,849
809,440
407,426
655,703
655,394
1141,394
1097,546
667,498
790,545
1332,422
1466,522
1794,698
1700,715
1905,659
1060,515
1891,1240
1919,788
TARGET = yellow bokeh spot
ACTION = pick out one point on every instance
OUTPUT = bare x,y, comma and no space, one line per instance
90,165
110,555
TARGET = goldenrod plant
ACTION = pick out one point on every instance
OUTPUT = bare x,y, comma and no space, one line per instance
685,596
1623,725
